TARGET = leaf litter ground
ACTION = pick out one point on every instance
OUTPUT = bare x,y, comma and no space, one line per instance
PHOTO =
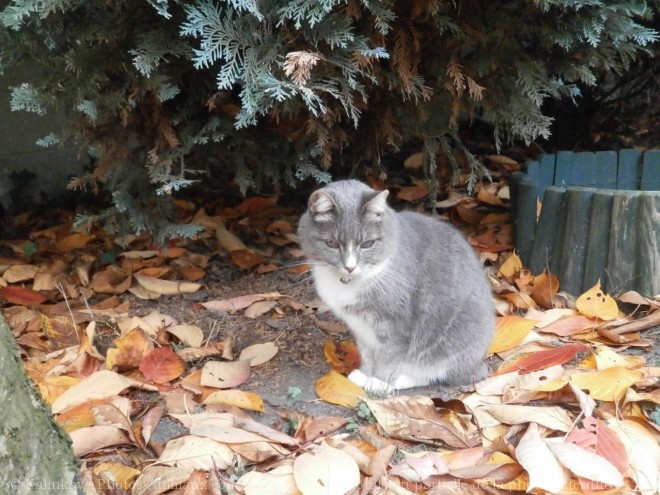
211,367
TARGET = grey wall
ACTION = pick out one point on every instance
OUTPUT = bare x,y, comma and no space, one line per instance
19,131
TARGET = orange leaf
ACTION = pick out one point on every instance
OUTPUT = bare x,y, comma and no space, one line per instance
191,272
489,198
112,280
74,241
337,389
238,398
162,365
509,332
246,258
595,303
569,326
343,357
544,288
130,351
20,295
528,362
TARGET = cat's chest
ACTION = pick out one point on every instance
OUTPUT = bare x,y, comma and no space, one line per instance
341,299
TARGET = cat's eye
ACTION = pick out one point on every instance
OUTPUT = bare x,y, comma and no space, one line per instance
368,244
331,243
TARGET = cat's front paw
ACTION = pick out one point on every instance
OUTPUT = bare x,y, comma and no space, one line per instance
369,383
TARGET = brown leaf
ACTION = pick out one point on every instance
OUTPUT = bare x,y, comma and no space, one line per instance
162,365
343,357
246,258
112,280
19,273
20,295
237,303
413,193
259,308
544,289
255,204
73,241
129,351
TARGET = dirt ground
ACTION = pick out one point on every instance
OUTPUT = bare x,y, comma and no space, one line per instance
300,361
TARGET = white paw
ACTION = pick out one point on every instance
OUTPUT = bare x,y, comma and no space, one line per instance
404,381
359,378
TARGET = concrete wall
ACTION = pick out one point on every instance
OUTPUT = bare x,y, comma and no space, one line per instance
19,131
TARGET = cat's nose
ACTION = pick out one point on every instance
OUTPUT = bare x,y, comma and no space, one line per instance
350,269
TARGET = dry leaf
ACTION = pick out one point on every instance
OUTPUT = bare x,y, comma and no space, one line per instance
246,258
596,304
162,365
112,280
238,303
608,385
597,437
238,398
344,357
86,440
511,266
195,452
19,273
220,374
73,241
228,241
129,351
528,362
259,308
277,481
584,463
258,354
326,471
166,287
157,480
571,325
544,289
552,417
509,332
20,295
337,389
413,193
190,335
545,471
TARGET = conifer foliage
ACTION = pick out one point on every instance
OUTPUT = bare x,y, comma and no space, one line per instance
167,91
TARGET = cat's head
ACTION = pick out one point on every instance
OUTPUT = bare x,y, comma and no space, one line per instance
349,227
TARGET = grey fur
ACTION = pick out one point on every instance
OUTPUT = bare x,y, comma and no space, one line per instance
417,301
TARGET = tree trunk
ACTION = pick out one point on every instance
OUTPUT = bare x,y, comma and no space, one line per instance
35,453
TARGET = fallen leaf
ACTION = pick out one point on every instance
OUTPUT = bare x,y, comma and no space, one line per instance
552,417
643,454
20,295
166,287
326,471
570,325
73,241
195,452
258,354
608,385
416,419
221,374
237,303
584,463
416,160
157,480
228,241
597,437
162,365
112,280
509,332
259,308
115,474
277,481
413,193
19,273
98,385
539,360
246,258
344,356
511,266
545,471
238,398
337,389
596,304
86,440
544,289
190,335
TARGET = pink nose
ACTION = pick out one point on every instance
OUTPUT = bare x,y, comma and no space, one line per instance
349,269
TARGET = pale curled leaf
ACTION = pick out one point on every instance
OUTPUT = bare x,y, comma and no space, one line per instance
166,287
545,471
221,374
258,354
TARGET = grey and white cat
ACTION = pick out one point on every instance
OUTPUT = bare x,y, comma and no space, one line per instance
408,286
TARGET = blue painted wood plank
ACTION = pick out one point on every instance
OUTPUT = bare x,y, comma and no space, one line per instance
533,170
606,168
564,168
547,173
628,169
585,170
650,179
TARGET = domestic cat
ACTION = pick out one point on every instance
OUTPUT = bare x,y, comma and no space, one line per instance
409,287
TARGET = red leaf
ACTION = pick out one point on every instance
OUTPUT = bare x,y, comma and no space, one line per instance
535,361
19,295
162,365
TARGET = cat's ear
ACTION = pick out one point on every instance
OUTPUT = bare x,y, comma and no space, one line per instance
321,206
376,206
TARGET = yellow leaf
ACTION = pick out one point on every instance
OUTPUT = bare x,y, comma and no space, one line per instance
115,474
607,358
595,303
337,389
238,398
609,385
510,331
511,266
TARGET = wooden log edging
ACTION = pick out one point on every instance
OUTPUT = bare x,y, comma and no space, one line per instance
600,219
